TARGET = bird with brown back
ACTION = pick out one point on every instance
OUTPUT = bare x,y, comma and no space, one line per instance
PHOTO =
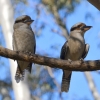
72,50
23,41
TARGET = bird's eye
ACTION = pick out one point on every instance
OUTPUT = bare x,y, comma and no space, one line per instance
25,20
79,26
73,28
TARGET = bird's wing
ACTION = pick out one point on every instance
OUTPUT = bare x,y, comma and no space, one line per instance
34,48
34,45
34,39
13,41
66,74
85,50
64,50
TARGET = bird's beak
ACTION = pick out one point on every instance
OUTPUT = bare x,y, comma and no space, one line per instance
85,28
29,21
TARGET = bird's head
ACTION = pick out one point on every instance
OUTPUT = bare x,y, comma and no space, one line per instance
80,27
24,19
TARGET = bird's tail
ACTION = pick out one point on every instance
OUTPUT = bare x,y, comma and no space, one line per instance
19,76
66,80
29,67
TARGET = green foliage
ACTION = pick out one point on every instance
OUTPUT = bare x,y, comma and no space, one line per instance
18,1
61,4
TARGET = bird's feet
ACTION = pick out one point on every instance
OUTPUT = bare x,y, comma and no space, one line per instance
69,60
27,52
82,60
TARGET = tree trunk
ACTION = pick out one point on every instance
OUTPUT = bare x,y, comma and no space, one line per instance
6,20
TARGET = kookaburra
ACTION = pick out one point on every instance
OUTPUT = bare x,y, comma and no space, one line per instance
23,41
74,49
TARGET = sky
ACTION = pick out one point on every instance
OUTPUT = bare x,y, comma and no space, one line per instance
88,14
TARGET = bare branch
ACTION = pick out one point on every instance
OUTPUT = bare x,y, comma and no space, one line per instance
96,3
59,22
4,84
52,62
53,78
92,86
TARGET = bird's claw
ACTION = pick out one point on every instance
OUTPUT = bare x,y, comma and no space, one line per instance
69,60
82,60
17,51
28,53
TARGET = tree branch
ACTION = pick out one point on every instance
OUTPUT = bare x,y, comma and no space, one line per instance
95,3
52,62
59,21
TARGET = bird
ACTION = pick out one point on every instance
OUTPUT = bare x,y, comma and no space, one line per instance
23,41
73,49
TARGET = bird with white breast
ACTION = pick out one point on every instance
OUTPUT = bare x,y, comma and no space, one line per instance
23,41
73,49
